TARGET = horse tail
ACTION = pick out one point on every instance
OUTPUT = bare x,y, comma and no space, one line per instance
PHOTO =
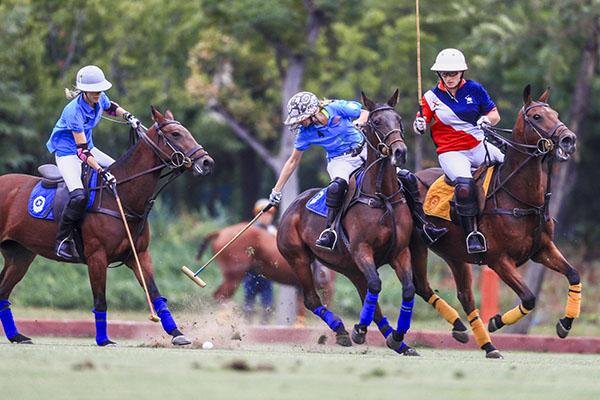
204,244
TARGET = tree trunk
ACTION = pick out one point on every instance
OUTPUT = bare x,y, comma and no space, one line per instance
565,177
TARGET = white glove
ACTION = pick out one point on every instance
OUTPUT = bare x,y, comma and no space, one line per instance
131,120
107,177
275,198
419,125
484,122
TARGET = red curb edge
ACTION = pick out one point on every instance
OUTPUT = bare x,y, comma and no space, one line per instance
290,335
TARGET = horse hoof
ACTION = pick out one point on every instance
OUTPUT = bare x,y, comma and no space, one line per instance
181,340
409,352
561,331
494,354
460,336
394,341
359,334
21,339
343,340
108,343
495,323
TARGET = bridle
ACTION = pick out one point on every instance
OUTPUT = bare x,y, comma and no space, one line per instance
382,149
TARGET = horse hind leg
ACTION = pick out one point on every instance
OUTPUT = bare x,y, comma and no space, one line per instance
462,277
418,254
17,260
552,258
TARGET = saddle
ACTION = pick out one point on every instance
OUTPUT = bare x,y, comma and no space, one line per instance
50,196
439,201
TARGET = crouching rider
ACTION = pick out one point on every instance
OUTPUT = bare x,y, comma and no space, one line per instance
458,111
331,125
72,144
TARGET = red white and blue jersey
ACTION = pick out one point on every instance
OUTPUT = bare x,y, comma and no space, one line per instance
454,125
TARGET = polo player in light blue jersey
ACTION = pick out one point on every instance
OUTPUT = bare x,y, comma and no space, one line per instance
72,144
333,125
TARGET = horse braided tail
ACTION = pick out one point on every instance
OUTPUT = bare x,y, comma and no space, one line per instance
204,244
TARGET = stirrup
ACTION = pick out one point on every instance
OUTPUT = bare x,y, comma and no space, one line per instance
480,238
427,238
335,239
74,256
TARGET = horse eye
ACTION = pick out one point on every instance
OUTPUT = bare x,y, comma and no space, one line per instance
176,134
537,117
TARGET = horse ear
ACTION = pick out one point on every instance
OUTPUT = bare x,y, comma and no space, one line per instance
527,95
394,99
366,101
156,115
544,97
169,114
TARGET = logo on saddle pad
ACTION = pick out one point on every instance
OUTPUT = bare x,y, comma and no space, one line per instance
38,204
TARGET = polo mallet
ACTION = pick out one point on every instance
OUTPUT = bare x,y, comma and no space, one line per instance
419,87
194,276
153,317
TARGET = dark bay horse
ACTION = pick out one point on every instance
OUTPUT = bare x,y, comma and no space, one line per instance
378,225
167,144
256,251
515,222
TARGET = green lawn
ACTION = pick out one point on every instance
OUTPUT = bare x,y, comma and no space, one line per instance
72,368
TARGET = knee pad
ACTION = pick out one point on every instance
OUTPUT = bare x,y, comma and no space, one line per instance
407,177
77,200
335,192
465,193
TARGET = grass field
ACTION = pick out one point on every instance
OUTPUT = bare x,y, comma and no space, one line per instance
75,369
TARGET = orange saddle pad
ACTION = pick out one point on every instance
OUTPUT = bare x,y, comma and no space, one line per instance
437,200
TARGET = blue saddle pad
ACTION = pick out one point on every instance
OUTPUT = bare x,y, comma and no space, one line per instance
317,203
41,199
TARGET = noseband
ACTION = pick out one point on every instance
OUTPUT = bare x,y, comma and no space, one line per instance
547,138
382,148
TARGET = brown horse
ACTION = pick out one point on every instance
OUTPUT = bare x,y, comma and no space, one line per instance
167,144
256,251
375,228
515,222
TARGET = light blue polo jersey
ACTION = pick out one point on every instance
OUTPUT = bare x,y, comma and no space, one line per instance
339,136
77,116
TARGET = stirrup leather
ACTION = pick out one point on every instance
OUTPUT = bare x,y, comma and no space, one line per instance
335,239
481,239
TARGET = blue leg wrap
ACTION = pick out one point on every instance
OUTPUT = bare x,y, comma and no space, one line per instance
8,322
332,320
381,324
401,348
405,316
101,327
368,310
167,321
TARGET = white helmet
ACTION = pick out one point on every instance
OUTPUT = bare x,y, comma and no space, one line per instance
301,106
91,79
450,60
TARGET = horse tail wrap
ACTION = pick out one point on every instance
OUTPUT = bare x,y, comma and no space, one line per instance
204,244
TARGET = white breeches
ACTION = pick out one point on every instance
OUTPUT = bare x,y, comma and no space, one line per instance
459,163
343,166
70,167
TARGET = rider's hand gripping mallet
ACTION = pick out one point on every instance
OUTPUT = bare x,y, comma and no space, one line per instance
194,276
153,317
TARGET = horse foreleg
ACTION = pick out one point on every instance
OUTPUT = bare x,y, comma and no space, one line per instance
365,262
418,255
159,302
462,276
17,260
97,264
552,258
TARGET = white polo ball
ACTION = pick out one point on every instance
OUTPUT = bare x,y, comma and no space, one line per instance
207,345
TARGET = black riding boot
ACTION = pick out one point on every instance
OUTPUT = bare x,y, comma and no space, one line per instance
429,232
335,197
465,193
65,245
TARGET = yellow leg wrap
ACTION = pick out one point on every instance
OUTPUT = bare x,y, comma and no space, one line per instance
514,315
481,334
573,301
443,308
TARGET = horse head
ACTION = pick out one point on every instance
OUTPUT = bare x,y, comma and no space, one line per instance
540,124
384,132
176,146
